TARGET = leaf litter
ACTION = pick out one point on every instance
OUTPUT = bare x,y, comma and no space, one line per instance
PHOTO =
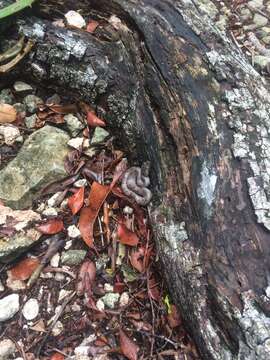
113,301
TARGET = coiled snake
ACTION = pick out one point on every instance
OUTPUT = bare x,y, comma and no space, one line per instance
135,182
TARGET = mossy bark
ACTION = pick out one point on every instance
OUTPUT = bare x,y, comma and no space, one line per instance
181,94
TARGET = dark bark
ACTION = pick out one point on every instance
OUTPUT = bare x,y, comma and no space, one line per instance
182,95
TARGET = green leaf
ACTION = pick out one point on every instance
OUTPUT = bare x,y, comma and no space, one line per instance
15,7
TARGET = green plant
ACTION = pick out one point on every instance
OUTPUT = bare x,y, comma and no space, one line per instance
15,7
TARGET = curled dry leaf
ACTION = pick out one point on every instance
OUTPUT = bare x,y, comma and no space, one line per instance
7,113
93,120
24,269
174,318
75,202
86,278
126,236
128,346
52,226
88,215
153,289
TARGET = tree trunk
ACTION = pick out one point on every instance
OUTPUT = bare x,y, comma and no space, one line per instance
181,94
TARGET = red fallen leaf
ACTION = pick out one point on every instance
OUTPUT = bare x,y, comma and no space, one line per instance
88,215
136,259
24,269
126,236
153,290
93,120
52,226
86,278
57,356
119,171
127,346
92,25
119,287
75,202
174,318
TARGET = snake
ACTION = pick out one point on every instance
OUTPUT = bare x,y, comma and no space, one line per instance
135,183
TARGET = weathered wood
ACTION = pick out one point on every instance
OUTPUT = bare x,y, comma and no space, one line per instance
184,97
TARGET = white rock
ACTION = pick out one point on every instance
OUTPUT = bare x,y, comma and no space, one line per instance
108,287
75,307
128,210
81,350
53,200
59,277
31,309
22,86
63,293
58,328
100,305
110,299
73,231
10,133
13,284
75,19
124,299
55,260
68,244
80,183
7,349
9,306
50,211
115,22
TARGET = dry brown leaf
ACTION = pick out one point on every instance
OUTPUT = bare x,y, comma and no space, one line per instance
7,113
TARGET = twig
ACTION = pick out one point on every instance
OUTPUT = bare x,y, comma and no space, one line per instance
5,68
101,231
18,347
59,270
153,314
57,316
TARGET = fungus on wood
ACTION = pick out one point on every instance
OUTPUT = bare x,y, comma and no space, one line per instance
184,97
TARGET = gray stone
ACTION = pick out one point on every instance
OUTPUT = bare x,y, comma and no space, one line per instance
110,300
7,349
266,39
9,306
99,135
32,102
73,257
19,107
21,86
261,61
245,14
30,309
259,20
73,123
6,97
54,99
30,121
39,162
257,4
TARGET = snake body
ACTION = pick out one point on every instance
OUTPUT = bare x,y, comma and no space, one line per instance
135,184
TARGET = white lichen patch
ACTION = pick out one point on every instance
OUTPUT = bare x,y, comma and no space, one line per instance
207,187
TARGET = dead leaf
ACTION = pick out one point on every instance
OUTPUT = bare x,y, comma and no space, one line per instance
128,346
7,113
86,278
39,326
174,318
75,202
24,269
92,25
119,171
93,120
64,109
126,236
52,226
153,289
57,356
136,259
88,215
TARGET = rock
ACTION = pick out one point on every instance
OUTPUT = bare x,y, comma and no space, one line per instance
54,262
34,167
79,143
31,102
102,261
7,349
261,61
53,100
266,39
15,285
99,135
30,121
2,288
259,20
22,218
73,123
63,293
257,4
19,107
100,305
54,200
124,299
21,86
50,211
9,306
6,97
59,277
58,328
80,183
245,14
10,133
110,300
75,19
68,244
108,287
73,257
73,232
31,309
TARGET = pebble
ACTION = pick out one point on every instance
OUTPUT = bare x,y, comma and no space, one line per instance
261,61
73,123
108,287
110,300
128,210
59,277
73,231
6,97
54,199
58,328
10,134
7,349
31,309
9,306
15,285
124,299
30,121
19,107
63,293
53,100
2,288
80,183
100,305
75,19
21,86
68,244
259,20
50,211
75,307
99,135
55,260
73,257
78,143
32,102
